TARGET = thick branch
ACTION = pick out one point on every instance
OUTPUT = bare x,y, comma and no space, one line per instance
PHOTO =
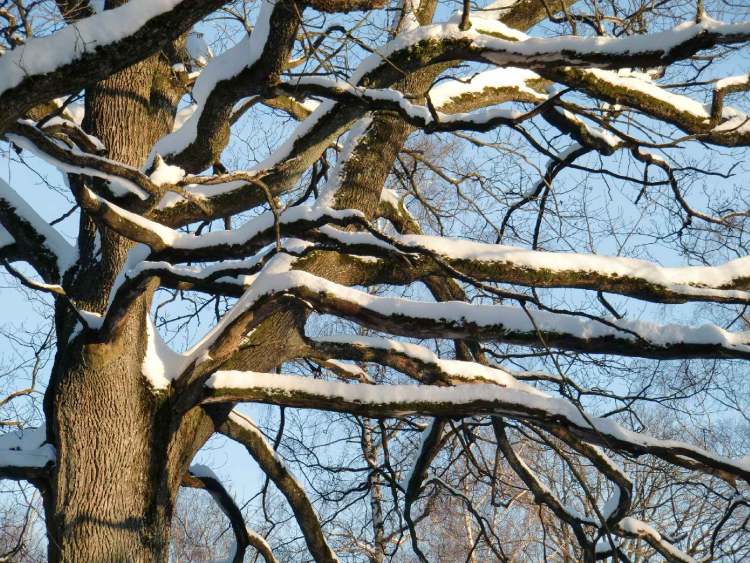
93,48
379,401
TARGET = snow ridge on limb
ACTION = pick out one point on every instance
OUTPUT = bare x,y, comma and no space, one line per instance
500,322
384,400
40,244
91,49
24,454
224,67
728,282
173,245
416,361
122,180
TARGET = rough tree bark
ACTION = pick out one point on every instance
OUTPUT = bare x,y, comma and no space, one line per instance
123,448
113,488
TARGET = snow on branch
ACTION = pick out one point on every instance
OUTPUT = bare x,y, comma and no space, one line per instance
481,43
381,400
239,72
493,42
728,282
24,455
417,361
91,49
39,243
170,244
122,180
422,116
634,528
498,322
715,124
489,86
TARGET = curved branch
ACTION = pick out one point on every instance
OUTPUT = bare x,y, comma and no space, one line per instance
34,239
200,477
244,70
241,429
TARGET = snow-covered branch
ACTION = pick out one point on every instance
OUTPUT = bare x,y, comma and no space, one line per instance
36,241
498,322
121,180
716,125
172,245
379,401
728,282
91,49
242,71
24,455
272,288
414,360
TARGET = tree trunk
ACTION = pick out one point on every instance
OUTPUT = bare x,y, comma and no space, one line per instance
109,499
118,462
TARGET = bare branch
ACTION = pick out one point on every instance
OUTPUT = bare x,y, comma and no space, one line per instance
243,430
199,478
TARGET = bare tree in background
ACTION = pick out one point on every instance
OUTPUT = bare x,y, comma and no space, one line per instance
487,263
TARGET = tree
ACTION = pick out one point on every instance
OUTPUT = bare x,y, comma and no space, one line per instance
458,184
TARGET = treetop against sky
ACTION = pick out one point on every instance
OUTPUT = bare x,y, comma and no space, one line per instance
458,281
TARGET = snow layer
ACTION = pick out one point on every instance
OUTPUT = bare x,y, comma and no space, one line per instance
410,397
25,448
166,174
118,185
201,471
172,238
622,80
447,91
456,369
352,370
43,55
161,364
52,240
697,280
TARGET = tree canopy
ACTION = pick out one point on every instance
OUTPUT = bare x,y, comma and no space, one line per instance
485,265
